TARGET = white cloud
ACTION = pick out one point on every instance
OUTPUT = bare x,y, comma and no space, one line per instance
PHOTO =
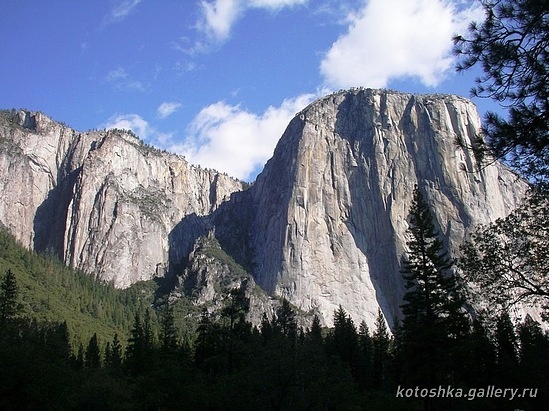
219,16
167,108
275,4
133,122
121,11
164,139
141,128
230,139
221,136
391,39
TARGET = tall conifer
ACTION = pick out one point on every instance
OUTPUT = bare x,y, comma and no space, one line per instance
8,298
380,359
434,320
93,353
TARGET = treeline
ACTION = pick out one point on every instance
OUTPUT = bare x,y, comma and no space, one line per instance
68,341
49,291
230,364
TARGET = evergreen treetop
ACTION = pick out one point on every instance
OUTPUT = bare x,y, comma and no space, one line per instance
433,315
8,297
432,287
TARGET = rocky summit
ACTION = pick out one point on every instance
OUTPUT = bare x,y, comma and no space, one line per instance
324,224
103,201
331,206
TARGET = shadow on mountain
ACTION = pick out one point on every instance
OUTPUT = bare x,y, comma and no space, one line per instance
181,240
369,217
50,220
233,221
230,224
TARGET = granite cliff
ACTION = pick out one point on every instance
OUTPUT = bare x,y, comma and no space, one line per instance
103,201
331,206
324,224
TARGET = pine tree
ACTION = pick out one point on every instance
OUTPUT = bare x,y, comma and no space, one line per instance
79,360
315,333
397,352
93,353
285,320
480,357
380,357
208,343
510,46
58,342
116,353
108,355
168,332
140,354
267,330
136,346
343,340
8,298
365,347
506,350
236,307
534,359
434,320
148,332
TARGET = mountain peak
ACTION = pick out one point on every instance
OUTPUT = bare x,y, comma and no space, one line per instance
332,204
324,224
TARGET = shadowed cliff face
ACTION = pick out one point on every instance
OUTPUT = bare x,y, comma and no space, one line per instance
325,223
102,201
331,206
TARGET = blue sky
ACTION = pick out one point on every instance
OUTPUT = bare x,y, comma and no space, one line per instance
219,80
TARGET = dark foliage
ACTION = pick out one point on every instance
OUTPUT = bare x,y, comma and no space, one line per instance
8,298
229,364
511,46
506,261
434,323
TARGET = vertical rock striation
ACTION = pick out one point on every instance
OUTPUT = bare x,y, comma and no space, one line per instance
331,206
324,224
103,201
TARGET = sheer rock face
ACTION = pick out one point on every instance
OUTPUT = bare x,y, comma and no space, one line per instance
324,224
103,201
331,206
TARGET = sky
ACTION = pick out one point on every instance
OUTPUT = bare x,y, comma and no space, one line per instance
218,80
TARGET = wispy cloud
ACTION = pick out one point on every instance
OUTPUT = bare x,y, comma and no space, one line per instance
219,16
275,4
116,75
183,67
121,11
167,108
120,80
390,39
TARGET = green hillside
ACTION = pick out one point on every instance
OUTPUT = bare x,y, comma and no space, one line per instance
50,291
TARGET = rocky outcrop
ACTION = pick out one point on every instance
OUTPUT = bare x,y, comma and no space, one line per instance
324,224
102,200
331,206
212,274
